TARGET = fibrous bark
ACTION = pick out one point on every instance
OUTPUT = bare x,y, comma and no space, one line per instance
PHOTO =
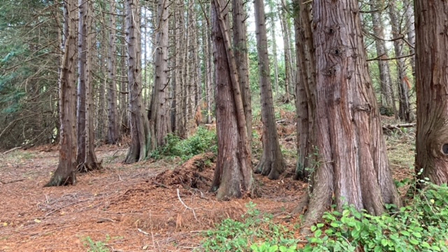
65,174
272,163
351,162
432,86
86,158
233,174
159,117
140,141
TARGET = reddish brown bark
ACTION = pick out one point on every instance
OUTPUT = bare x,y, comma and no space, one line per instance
351,165
432,86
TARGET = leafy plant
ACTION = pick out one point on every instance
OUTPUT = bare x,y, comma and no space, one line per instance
201,142
232,235
96,246
421,226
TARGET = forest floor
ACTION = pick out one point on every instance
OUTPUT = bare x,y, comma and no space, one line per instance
148,206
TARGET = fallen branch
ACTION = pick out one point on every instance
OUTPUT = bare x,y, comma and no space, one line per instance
398,126
187,207
11,150
12,181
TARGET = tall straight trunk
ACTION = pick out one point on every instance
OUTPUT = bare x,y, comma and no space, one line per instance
179,83
410,28
65,174
432,85
86,158
241,58
274,53
124,127
305,89
272,163
159,117
351,163
286,35
140,141
207,72
404,111
112,121
387,94
233,173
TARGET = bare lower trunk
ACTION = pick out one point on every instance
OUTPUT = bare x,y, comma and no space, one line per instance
65,174
306,82
272,163
233,174
352,166
432,84
404,112
140,141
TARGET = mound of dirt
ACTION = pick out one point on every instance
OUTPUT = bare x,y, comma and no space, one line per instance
197,173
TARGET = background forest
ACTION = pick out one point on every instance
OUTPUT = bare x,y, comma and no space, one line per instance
31,52
288,104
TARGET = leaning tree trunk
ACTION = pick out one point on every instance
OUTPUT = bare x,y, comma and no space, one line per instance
65,174
140,141
351,165
159,117
241,58
432,85
233,173
86,158
272,163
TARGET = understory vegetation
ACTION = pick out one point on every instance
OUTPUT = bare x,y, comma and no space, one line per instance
422,225
202,141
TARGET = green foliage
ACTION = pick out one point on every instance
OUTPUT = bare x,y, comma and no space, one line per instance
201,142
232,235
421,226
96,246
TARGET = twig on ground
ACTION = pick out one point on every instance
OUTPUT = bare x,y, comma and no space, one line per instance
143,232
159,184
10,182
189,208
11,150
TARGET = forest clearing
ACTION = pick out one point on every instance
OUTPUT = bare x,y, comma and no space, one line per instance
141,206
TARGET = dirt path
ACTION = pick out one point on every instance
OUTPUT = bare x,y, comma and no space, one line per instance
123,207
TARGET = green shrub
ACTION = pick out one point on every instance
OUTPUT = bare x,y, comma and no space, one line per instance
96,246
256,233
201,142
421,226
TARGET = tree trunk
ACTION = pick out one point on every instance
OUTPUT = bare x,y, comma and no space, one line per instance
113,130
410,28
272,163
305,87
274,48
287,52
86,158
387,94
351,163
65,174
233,173
140,141
432,84
404,112
241,58
159,117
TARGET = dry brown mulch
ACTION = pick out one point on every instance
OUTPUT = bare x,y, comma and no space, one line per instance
148,206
